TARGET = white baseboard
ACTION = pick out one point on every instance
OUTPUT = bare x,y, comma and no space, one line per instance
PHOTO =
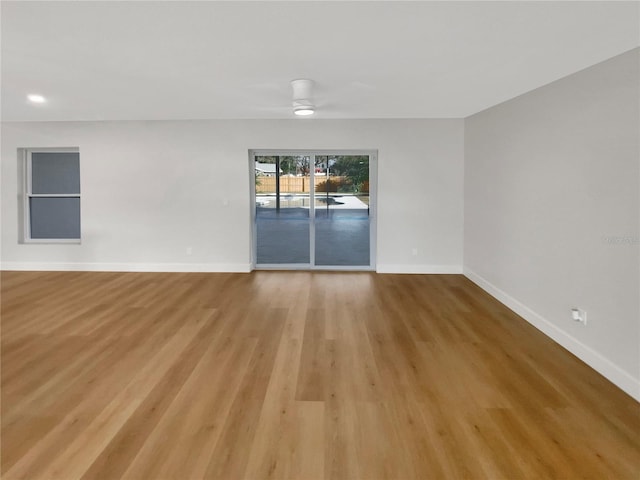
128,267
199,267
595,360
419,269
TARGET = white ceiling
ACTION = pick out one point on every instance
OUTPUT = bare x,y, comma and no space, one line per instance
206,60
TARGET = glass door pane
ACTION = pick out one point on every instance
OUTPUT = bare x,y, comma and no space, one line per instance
342,224
282,209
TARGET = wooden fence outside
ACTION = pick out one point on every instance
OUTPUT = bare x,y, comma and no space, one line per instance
265,184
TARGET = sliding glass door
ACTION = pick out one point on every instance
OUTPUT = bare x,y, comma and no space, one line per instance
313,210
282,203
342,214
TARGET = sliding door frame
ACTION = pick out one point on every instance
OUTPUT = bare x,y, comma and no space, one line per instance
373,210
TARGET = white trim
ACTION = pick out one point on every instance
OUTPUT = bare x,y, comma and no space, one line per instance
373,209
26,186
266,152
282,266
312,208
345,268
54,195
53,149
419,269
128,267
307,267
252,211
623,379
50,241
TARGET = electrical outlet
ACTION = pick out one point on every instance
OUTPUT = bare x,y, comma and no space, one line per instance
414,251
579,315
189,250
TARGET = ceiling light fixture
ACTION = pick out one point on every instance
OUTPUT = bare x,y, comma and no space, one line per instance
303,110
34,98
302,97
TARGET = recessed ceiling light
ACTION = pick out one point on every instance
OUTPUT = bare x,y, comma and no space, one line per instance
34,98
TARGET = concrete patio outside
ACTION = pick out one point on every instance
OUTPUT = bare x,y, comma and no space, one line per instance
341,231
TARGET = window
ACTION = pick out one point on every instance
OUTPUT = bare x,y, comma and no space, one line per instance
52,195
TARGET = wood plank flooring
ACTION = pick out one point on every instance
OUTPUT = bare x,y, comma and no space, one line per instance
283,375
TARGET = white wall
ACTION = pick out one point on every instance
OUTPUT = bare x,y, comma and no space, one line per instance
152,189
551,179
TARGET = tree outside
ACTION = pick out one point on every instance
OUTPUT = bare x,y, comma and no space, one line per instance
289,165
355,168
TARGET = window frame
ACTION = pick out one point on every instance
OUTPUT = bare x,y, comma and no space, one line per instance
311,266
28,195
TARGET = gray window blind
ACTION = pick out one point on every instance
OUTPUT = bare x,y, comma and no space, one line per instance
55,173
55,217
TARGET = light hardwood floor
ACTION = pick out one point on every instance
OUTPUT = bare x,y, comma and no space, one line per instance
294,375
